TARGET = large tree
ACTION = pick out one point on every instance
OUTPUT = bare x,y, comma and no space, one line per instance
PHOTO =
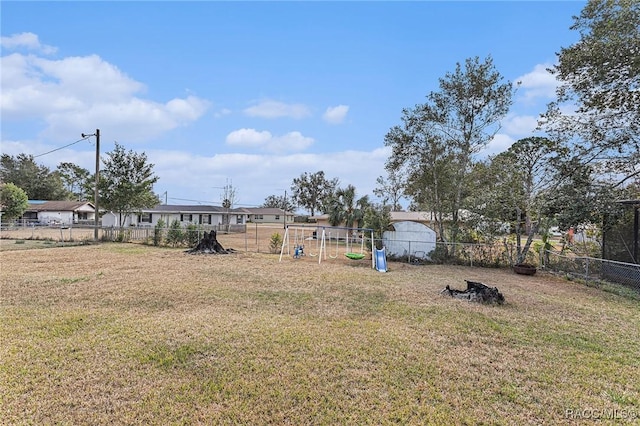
13,201
597,110
378,218
436,143
516,189
390,190
347,209
313,191
36,180
75,180
126,183
279,202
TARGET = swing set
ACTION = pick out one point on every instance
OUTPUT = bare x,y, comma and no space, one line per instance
297,244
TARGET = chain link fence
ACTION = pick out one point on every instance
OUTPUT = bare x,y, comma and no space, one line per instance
470,254
592,269
258,238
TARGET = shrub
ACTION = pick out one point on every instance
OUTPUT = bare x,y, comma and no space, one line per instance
192,235
275,243
175,236
157,232
123,236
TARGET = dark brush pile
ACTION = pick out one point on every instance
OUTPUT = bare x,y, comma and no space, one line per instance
476,292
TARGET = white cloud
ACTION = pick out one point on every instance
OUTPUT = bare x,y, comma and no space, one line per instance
186,110
248,138
29,41
222,112
500,143
538,83
274,109
133,120
251,138
519,125
292,141
256,176
336,115
70,95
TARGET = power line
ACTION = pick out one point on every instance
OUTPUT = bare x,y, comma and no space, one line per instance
62,147
195,201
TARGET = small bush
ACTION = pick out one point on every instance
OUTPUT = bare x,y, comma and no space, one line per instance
275,242
123,236
192,235
175,236
157,232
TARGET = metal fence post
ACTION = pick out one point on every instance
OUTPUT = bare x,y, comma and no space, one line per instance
586,269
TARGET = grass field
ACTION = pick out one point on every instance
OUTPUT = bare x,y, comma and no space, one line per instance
132,334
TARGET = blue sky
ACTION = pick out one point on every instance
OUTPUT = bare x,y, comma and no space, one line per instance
256,93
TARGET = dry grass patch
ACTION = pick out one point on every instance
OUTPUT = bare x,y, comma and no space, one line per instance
133,334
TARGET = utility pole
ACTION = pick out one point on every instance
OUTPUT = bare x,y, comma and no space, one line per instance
285,209
95,189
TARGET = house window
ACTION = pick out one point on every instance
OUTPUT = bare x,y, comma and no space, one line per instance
258,217
277,217
185,217
145,218
239,218
205,219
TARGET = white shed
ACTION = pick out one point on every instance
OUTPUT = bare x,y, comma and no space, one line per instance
410,239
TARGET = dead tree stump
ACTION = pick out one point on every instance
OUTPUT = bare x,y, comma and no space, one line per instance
209,244
476,292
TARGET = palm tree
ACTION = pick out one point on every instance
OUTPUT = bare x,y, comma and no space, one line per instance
344,208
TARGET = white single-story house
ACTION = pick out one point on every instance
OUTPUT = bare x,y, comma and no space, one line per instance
269,215
185,214
409,238
59,212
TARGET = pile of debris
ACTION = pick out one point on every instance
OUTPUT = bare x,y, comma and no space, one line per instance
209,245
476,292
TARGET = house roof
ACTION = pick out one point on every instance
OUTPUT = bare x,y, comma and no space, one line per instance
203,209
265,210
411,216
58,206
169,208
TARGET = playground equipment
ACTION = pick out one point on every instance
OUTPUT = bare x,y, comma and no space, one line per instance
381,260
294,238
336,252
352,254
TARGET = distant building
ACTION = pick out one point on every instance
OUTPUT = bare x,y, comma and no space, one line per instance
185,214
59,212
269,215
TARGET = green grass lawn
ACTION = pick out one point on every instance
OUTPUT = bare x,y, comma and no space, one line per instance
129,334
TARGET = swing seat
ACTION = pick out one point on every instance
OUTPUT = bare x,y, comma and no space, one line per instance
355,256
